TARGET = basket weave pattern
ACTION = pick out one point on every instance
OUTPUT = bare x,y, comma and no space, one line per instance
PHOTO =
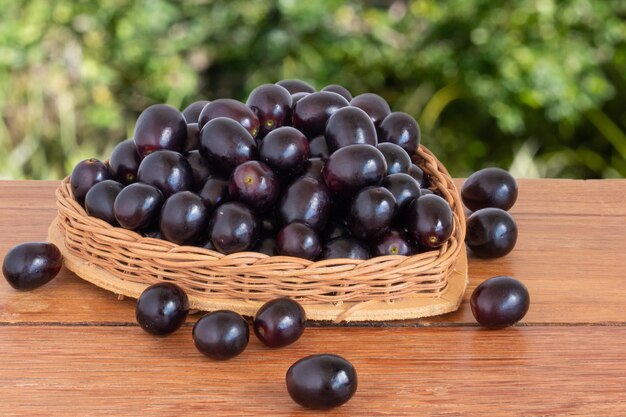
255,277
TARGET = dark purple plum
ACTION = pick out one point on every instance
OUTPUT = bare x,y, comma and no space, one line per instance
230,109
298,240
296,86
279,322
184,218
124,162
214,192
403,187
318,148
341,90
272,105
221,334
401,129
500,302
306,201
85,175
269,224
491,233
169,171
311,113
138,206
200,169
226,144
100,199
489,187
266,245
285,150
255,184
349,126
353,167
30,265
345,247
417,173
162,308
372,212
374,105
160,126
393,243
193,137
296,97
321,382
314,168
430,220
233,228
336,227
153,232
398,161
425,191
192,112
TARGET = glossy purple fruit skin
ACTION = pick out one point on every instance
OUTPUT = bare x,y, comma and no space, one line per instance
169,171
393,243
312,112
403,187
374,105
430,221
214,192
345,247
341,90
306,201
336,227
221,334
162,308
372,212
491,233
398,161
255,184
417,173
296,97
85,175
160,126
285,150
226,144
318,148
184,218
138,206
401,129
353,167
30,265
314,168
272,105
192,112
349,126
296,86
279,322
425,191
321,382
266,245
230,109
500,302
124,162
193,137
489,187
298,240
200,168
233,228
100,199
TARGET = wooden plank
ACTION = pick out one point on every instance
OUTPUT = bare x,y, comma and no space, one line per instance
452,372
572,263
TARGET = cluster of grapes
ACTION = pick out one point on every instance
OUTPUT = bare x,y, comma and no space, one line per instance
295,172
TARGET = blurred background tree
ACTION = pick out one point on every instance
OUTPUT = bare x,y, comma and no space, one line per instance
537,86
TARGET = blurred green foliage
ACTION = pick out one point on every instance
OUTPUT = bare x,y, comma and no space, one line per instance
537,86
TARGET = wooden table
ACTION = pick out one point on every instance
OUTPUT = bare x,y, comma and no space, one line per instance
70,348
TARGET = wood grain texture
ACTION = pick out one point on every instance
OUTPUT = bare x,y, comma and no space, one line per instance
570,254
527,371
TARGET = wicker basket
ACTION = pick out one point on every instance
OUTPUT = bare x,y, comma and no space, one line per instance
378,289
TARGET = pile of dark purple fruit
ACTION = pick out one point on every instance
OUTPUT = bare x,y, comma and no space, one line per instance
295,172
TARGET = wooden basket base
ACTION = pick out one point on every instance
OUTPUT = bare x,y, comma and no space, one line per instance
370,311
